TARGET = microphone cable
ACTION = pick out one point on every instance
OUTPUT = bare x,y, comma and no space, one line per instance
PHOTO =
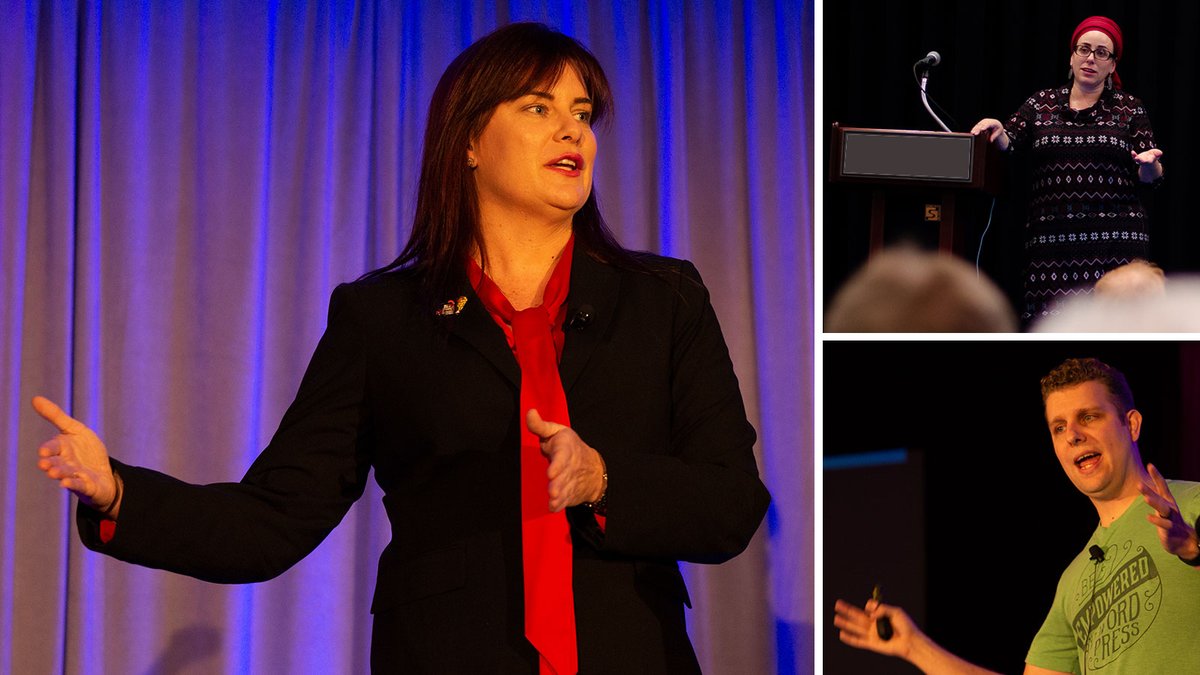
979,251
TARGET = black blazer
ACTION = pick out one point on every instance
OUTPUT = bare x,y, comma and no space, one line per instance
432,404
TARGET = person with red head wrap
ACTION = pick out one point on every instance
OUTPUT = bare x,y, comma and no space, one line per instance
1090,145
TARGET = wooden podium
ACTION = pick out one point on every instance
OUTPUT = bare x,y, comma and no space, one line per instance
893,160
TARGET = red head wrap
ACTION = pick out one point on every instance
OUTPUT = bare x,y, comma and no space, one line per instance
1108,27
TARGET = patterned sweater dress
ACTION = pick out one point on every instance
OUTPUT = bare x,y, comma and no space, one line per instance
1085,216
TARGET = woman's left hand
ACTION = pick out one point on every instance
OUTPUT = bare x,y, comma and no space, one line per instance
1148,157
1149,168
576,470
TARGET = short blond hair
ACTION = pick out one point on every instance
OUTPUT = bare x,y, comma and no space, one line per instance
906,290
1135,278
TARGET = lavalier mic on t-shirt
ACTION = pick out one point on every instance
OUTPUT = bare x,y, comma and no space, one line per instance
1097,557
580,319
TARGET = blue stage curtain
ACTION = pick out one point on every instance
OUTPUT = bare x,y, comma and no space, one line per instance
182,184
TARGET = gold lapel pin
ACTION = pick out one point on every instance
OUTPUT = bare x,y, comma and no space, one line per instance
452,307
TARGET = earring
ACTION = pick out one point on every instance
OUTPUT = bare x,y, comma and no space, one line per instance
1108,82
1070,74
471,162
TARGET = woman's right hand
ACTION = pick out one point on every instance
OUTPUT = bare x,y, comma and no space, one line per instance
77,459
994,131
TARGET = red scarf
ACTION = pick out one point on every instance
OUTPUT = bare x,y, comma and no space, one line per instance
536,338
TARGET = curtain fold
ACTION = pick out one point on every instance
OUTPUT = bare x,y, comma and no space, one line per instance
37,184
182,184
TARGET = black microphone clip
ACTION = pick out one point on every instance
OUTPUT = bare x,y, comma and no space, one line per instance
1097,553
580,319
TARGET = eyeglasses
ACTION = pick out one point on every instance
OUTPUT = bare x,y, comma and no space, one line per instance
1101,53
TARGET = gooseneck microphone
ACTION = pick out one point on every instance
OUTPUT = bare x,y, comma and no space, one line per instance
931,59
924,65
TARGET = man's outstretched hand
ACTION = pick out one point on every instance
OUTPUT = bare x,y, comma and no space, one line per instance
1176,535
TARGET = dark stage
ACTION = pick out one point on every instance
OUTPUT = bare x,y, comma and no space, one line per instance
995,54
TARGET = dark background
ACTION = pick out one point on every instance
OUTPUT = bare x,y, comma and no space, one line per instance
999,520
995,54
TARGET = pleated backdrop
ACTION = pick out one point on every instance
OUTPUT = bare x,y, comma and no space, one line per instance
183,183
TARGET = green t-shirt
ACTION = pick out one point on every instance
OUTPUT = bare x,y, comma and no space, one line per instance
1136,612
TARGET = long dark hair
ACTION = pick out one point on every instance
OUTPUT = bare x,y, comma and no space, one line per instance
501,66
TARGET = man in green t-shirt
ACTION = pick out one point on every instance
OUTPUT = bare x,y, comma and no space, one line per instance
1130,601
